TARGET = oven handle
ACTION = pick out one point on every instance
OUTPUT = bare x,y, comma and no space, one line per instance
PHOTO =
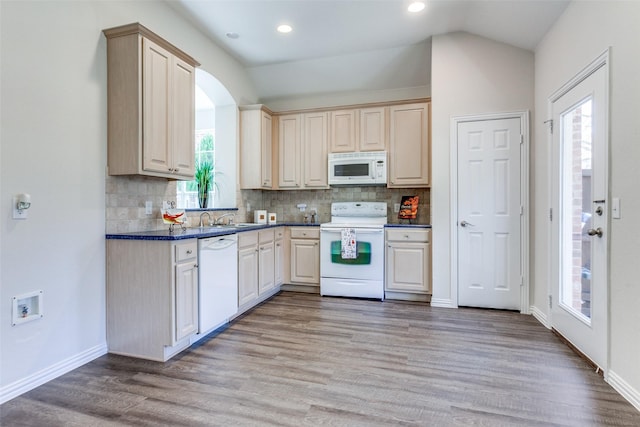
358,230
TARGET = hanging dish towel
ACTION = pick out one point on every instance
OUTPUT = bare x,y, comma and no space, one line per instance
348,247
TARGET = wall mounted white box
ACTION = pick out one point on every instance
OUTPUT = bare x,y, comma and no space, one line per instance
26,307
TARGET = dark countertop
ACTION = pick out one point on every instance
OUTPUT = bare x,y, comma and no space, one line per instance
201,233
196,232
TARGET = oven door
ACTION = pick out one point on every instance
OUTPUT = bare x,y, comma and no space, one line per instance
369,262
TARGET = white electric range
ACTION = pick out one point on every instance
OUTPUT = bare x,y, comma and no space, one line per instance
362,274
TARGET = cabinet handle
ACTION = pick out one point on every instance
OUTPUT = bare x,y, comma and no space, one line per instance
176,170
195,265
406,236
189,252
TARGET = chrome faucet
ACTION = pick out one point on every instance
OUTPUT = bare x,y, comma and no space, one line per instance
209,215
231,220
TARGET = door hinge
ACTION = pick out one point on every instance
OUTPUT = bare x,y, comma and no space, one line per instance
550,214
550,301
521,280
550,121
521,139
521,210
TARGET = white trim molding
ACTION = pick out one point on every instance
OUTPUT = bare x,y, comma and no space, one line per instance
625,390
540,316
26,384
443,303
523,116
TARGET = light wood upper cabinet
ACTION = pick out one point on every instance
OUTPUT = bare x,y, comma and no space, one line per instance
373,129
344,128
289,151
256,148
315,150
409,145
151,92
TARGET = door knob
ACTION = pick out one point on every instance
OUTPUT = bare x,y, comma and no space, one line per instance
465,223
596,232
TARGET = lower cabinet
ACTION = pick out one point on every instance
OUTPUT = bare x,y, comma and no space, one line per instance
305,256
408,269
279,261
258,266
152,297
247,267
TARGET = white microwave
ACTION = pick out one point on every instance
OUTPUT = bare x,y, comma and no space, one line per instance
366,168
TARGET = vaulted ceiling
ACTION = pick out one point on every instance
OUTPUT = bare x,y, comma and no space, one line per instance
345,45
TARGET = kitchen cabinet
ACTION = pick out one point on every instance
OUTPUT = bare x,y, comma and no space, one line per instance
266,261
247,267
303,151
409,145
256,149
257,266
408,269
305,255
289,151
373,129
152,297
151,105
359,129
344,129
279,254
315,150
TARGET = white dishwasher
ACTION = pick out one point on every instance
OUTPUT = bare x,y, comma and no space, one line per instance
218,281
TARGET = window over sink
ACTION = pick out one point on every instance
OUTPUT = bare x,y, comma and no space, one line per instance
215,141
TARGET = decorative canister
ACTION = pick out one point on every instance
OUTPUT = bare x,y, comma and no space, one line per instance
272,217
260,217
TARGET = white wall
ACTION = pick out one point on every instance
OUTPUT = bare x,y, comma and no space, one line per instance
470,75
53,146
582,33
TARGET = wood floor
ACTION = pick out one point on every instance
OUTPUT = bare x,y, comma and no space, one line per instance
302,360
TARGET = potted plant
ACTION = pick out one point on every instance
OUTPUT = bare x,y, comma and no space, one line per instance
204,177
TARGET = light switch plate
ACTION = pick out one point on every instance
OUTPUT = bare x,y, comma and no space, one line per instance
148,207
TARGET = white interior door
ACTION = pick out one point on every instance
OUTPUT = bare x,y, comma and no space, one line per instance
580,214
490,270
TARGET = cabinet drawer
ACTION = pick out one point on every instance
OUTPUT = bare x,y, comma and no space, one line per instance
265,236
305,233
404,235
186,250
247,238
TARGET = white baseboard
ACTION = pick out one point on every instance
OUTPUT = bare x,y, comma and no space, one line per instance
542,317
625,390
23,385
443,303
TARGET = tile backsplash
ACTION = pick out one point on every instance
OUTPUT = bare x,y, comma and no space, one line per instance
126,197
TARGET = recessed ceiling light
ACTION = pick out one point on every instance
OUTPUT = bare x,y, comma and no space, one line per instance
232,35
284,28
416,6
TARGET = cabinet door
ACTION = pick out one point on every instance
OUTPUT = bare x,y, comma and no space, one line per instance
266,170
183,119
186,292
373,129
289,145
305,261
408,267
315,147
266,263
343,131
409,149
156,149
278,263
247,274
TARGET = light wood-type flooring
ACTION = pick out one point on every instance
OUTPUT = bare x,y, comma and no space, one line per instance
305,360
